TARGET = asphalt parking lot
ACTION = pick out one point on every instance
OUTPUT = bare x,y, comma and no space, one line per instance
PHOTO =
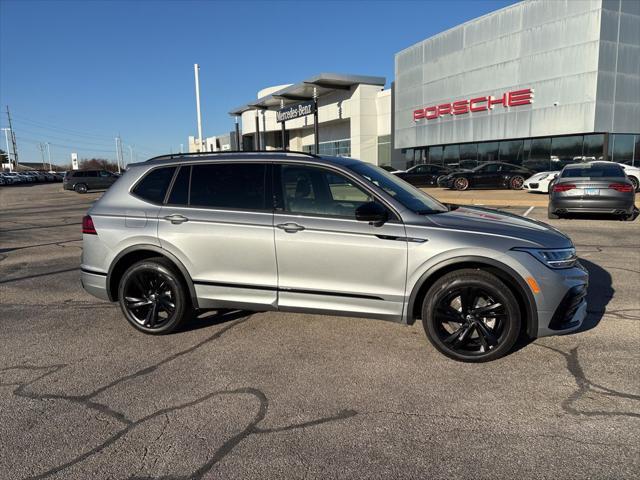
272,395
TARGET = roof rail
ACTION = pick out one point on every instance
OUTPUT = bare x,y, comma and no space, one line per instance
225,152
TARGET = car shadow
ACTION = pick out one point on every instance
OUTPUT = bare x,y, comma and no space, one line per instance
210,318
599,294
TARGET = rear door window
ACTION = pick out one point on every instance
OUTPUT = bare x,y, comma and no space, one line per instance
153,187
240,186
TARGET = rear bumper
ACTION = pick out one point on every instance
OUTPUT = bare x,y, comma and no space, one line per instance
94,283
578,205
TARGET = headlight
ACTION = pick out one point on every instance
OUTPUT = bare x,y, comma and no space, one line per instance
553,257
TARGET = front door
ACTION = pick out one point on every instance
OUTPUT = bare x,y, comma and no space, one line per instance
218,221
486,176
327,260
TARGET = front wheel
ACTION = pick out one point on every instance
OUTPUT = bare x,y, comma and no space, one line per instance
152,296
471,316
516,183
636,183
461,184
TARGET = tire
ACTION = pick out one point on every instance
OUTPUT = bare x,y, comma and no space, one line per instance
153,296
455,330
80,188
629,218
636,183
552,216
516,183
461,184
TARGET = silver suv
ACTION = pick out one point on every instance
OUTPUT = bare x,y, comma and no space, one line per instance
295,232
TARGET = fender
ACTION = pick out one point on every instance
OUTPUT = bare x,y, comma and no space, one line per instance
161,252
532,313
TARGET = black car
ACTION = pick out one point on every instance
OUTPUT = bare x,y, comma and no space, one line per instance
424,175
83,180
487,175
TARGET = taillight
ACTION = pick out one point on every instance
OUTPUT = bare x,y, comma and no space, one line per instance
621,187
87,225
563,187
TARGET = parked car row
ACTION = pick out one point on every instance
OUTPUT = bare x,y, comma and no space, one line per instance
30,176
491,175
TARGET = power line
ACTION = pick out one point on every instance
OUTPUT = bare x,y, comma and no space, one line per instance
49,126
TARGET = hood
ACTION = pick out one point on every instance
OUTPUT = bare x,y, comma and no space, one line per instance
484,220
545,174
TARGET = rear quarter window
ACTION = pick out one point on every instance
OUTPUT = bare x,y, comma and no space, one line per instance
153,187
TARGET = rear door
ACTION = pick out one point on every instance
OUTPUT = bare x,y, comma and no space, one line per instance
328,261
218,220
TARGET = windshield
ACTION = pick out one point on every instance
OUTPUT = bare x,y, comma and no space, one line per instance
414,199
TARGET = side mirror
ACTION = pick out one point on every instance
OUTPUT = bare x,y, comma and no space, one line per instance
372,212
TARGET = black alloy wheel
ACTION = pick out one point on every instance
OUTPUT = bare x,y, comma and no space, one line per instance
461,183
516,182
80,188
471,316
152,296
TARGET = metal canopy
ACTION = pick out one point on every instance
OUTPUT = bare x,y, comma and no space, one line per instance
324,83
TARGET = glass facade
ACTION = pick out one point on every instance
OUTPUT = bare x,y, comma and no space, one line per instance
337,148
538,154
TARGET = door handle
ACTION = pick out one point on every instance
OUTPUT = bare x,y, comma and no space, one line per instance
290,227
176,219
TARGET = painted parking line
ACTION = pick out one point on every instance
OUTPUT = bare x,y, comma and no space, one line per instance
529,210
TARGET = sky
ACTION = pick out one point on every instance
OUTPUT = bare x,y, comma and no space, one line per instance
76,74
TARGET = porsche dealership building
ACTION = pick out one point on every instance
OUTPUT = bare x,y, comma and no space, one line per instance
537,84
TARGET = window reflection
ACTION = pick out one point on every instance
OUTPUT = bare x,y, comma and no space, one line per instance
511,151
488,152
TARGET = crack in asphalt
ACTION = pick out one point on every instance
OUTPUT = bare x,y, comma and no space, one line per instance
618,314
36,275
584,386
59,244
253,428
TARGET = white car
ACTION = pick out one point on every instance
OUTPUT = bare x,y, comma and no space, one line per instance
633,173
540,181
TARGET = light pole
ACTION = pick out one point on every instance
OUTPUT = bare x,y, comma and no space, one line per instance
196,71
49,155
6,137
118,153
130,154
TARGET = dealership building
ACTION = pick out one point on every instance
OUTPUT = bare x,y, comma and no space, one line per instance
353,115
539,84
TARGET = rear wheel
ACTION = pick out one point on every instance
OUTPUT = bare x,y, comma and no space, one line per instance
461,183
153,297
80,188
516,182
471,316
636,183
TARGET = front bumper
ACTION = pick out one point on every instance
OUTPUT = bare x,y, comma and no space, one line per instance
94,283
